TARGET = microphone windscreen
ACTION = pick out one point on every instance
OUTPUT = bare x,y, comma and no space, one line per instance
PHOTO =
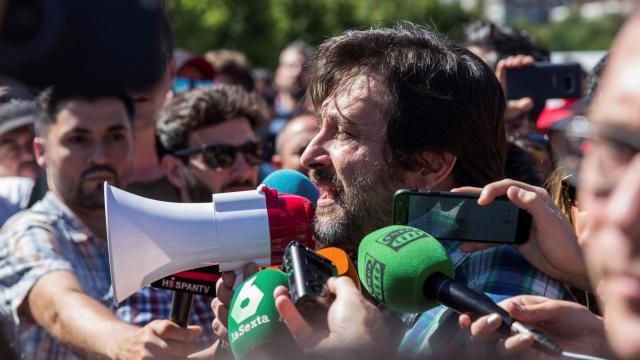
292,182
343,263
395,261
254,321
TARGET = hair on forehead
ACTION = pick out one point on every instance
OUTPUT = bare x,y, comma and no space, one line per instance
49,100
436,95
205,107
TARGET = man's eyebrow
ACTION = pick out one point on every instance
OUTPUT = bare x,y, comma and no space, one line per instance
118,127
80,130
340,119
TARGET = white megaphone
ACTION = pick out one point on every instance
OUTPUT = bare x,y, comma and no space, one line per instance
151,239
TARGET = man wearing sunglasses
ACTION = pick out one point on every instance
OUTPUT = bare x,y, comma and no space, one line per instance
209,141
207,145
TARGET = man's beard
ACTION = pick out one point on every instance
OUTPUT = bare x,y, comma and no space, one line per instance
366,207
197,190
93,198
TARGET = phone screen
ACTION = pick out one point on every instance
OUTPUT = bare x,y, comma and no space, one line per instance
461,218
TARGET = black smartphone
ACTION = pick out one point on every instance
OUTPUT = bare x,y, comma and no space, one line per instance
308,273
545,80
457,216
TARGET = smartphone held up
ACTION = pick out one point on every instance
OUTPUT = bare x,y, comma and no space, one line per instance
458,216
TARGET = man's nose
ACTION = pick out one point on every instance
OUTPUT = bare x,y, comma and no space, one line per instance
241,169
316,155
101,153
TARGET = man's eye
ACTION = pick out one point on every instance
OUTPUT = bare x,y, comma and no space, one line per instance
77,140
117,137
345,134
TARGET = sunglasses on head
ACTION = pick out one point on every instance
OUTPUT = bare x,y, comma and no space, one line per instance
183,84
224,155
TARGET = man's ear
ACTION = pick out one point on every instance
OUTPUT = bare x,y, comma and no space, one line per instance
40,152
276,161
172,167
436,168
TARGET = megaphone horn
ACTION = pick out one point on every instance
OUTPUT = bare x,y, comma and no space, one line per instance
150,239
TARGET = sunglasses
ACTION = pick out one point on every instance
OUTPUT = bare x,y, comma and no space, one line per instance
223,156
612,147
183,84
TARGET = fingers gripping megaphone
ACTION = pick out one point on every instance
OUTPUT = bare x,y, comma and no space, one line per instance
151,239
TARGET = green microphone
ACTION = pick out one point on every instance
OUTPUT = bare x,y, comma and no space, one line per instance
409,271
394,262
255,329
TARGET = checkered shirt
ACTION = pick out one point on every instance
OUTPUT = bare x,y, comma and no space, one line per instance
49,237
499,272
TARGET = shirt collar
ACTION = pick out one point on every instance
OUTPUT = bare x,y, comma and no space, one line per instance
76,230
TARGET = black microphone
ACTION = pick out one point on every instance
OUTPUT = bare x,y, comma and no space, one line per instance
181,308
461,299
409,271
185,284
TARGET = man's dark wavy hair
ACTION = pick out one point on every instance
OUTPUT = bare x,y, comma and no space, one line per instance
50,98
438,95
203,107
504,41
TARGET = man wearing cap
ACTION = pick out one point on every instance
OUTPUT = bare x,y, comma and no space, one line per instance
18,168
192,71
16,138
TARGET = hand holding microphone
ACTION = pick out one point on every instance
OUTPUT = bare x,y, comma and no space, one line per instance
572,325
284,181
255,329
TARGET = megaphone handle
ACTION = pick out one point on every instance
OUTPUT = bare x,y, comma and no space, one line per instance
181,308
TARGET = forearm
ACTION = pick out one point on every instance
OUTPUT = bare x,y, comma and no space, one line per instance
86,326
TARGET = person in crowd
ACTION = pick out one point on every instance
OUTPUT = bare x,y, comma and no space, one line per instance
18,167
16,139
147,178
382,129
290,84
503,48
291,79
292,141
609,192
506,48
493,43
192,71
54,263
209,143
263,85
231,67
207,146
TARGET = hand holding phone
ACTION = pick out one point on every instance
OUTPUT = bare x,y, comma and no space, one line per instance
458,216
552,246
543,80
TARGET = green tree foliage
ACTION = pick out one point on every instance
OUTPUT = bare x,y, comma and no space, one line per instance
576,33
261,28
